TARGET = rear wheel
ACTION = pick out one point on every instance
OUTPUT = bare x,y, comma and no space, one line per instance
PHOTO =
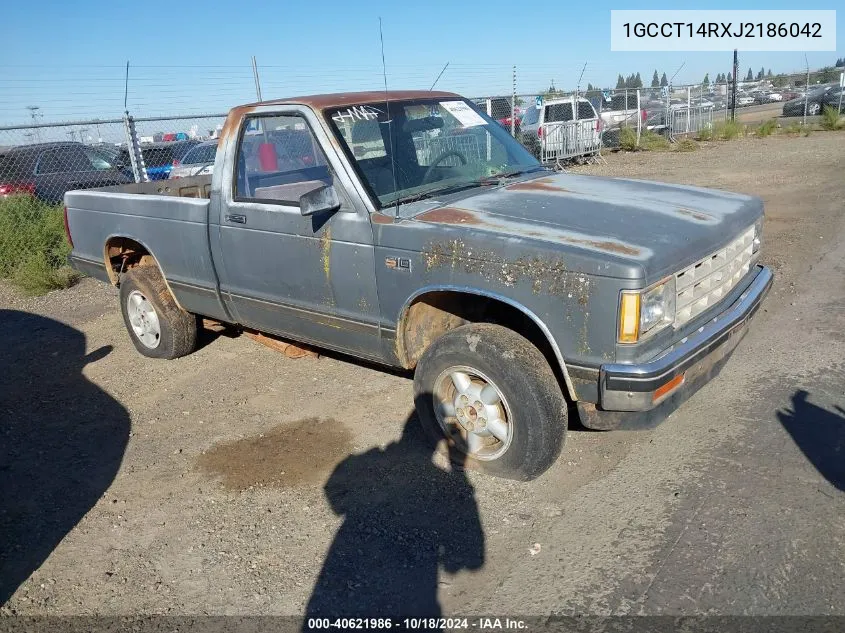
492,396
158,327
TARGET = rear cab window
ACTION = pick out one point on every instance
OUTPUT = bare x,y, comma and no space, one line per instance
557,112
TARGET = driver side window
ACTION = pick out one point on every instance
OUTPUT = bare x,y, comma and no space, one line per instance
279,160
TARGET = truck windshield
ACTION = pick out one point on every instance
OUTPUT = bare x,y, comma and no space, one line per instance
426,147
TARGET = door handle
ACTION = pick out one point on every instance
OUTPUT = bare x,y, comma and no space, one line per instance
239,219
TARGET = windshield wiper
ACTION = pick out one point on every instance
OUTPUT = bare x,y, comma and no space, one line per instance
512,173
481,182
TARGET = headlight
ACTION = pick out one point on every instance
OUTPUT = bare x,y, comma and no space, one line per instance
758,236
644,312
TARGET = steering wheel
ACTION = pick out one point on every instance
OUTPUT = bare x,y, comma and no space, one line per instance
439,159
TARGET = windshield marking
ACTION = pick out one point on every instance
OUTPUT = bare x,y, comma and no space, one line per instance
357,113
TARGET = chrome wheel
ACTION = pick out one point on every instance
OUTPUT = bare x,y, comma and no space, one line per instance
473,413
143,319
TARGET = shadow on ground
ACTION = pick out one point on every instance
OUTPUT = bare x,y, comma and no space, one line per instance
404,521
62,440
820,434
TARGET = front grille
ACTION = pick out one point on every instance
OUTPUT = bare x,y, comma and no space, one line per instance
705,283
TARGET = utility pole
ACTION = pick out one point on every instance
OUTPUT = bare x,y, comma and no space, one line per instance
33,112
255,75
733,92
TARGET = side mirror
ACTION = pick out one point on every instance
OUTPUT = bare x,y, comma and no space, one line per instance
320,200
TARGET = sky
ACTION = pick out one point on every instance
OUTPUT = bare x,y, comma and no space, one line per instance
69,58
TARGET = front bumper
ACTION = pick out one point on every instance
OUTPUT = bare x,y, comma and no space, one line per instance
685,366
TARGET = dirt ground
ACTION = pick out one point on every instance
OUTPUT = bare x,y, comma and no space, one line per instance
223,482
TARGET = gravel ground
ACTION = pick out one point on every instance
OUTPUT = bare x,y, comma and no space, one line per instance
211,484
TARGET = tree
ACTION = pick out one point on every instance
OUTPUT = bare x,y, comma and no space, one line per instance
620,82
761,74
664,81
655,80
730,78
590,87
769,74
840,63
552,91
750,75
826,75
706,81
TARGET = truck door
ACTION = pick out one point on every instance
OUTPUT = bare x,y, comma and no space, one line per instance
307,277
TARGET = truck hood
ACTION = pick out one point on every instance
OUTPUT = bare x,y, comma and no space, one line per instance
647,229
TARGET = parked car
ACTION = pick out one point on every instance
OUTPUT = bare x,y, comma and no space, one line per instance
197,161
745,100
815,99
538,133
500,110
158,157
619,110
48,170
511,290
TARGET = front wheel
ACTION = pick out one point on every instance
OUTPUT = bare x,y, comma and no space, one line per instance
158,327
493,397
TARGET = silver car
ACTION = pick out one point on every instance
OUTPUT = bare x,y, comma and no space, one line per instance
198,161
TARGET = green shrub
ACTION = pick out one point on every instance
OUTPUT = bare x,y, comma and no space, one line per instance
830,119
686,145
705,134
33,247
628,139
768,128
727,130
652,141
793,129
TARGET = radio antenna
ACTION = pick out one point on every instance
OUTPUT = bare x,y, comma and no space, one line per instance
389,121
439,76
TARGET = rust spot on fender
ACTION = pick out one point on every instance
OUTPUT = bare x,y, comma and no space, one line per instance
449,215
692,213
547,275
541,184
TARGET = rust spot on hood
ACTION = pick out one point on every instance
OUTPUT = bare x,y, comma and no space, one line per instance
692,213
449,215
541,184
603,245
380,218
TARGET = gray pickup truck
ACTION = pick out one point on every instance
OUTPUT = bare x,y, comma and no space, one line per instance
409,229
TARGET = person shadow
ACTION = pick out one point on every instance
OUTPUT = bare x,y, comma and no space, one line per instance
820,434
404,520
62,440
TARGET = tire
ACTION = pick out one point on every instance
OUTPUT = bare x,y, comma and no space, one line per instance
530,402
813,109
161,328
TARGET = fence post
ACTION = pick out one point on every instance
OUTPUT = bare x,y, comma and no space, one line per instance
689,105
639,117
489,104
133,145
513,107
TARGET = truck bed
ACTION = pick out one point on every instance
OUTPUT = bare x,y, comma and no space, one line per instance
167,218
192,187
